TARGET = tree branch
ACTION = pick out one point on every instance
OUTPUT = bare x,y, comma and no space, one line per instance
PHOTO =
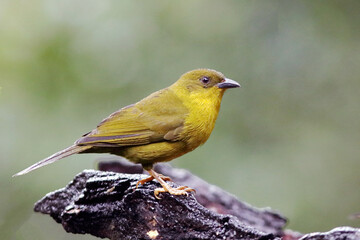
107,205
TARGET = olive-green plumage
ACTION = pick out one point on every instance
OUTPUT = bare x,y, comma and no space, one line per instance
160,127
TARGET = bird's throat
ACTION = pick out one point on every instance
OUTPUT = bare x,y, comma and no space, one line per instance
203,111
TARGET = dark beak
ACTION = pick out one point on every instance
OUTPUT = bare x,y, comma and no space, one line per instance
228,83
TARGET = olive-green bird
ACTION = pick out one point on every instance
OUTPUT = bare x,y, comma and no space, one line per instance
160,127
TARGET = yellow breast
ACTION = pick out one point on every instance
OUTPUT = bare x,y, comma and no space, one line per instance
203,108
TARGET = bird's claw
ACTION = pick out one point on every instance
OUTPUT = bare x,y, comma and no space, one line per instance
182,190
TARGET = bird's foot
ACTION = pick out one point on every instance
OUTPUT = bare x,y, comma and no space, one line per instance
182,190
148,179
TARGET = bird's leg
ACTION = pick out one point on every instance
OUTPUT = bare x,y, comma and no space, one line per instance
183,190
148,179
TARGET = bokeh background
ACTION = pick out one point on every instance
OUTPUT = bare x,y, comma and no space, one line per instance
289,139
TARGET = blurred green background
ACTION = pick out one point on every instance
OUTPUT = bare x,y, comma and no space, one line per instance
289,139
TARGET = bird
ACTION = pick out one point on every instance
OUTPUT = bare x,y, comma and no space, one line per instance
162,126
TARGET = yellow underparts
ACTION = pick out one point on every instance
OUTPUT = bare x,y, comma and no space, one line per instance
155,152
203,110
203,107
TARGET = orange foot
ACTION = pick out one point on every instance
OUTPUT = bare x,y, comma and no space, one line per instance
182,190
143,181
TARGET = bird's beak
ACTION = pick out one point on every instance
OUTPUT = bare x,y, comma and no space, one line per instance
228,83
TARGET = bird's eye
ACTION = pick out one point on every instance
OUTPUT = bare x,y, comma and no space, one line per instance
205,80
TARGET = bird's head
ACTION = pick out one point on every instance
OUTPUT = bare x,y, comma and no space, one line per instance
202,81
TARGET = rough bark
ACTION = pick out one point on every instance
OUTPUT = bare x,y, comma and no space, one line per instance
210,196
107,205
340,233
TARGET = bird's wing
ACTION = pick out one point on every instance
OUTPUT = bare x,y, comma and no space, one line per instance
159,117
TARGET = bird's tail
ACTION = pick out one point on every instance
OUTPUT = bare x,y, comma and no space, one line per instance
53,158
